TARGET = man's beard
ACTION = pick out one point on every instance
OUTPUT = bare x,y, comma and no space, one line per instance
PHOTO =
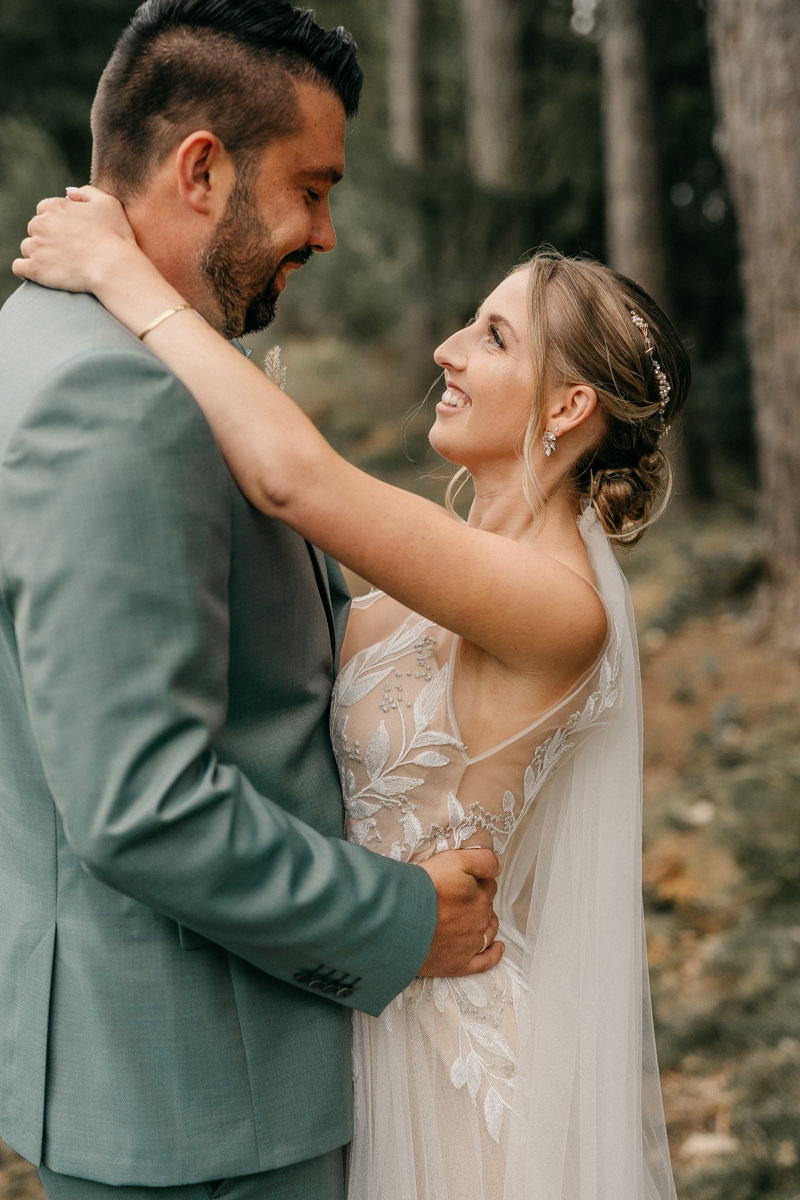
241,264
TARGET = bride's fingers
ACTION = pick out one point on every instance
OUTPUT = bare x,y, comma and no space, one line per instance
26,246
49,202
21,267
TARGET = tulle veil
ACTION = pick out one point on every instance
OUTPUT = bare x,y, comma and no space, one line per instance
588,1121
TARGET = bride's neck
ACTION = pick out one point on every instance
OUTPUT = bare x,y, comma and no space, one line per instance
505,511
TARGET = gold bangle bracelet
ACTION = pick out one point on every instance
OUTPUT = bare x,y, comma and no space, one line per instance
170,312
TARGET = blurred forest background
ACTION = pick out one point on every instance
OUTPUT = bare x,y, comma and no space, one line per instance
663,138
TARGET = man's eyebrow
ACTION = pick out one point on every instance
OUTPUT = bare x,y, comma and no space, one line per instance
329,175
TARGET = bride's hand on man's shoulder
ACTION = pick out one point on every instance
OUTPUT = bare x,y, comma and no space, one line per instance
74,240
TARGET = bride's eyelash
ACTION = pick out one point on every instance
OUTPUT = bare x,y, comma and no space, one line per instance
495,337
494,334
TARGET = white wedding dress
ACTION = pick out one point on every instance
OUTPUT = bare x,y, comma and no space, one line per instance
538,1079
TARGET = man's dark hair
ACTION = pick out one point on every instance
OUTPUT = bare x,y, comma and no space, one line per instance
223,65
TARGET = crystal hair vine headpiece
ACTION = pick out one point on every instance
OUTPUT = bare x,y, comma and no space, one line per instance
662,382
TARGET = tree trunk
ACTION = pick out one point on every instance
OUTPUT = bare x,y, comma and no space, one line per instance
407,145
634,223
404,77
492,46
755,48
635,236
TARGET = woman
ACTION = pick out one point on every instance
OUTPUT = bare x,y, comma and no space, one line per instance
489,695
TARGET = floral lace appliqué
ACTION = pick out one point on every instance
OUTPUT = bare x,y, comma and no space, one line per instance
418,747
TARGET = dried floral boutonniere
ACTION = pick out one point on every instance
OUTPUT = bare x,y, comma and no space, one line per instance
274,368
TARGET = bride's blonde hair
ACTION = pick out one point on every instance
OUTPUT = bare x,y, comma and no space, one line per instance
589,324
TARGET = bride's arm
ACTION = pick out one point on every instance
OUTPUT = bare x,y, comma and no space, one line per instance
521,606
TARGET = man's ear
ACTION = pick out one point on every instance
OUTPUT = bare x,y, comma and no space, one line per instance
204,173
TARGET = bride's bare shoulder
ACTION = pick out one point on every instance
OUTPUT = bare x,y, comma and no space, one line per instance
564,626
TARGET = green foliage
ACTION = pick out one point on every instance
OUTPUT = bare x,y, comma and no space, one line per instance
33,168
51,56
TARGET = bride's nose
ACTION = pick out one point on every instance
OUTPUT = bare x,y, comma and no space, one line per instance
450,353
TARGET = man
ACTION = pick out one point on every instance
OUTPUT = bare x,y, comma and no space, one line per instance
182,929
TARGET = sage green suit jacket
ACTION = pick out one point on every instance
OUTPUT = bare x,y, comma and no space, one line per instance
182,928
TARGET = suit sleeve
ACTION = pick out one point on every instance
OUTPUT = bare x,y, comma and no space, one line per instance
116,525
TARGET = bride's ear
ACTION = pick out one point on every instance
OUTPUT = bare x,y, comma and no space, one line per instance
571,405
204,173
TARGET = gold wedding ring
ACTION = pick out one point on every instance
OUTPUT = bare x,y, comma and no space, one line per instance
485,942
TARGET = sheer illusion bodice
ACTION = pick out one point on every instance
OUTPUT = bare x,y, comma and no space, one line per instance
436,1075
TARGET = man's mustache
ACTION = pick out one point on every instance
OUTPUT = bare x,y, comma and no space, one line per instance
300,257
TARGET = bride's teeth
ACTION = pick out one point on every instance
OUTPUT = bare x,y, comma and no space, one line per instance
455,399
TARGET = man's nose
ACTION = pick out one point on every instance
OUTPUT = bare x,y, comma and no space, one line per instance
323,235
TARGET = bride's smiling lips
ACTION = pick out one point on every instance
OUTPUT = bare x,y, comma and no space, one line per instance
453,399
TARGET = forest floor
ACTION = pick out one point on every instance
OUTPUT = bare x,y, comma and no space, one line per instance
721,844
721,865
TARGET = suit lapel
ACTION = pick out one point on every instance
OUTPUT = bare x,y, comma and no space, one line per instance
323,584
